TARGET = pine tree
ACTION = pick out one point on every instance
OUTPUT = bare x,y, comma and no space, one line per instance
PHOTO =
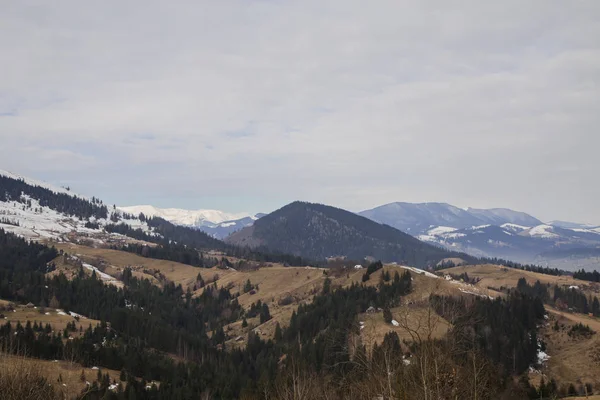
278,335
327,286
387,315
265,315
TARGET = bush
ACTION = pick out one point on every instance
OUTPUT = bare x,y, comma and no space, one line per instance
22,380
287,300
581,330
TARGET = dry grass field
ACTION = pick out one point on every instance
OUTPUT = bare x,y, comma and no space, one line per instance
64,376
497,276
572,360
116,261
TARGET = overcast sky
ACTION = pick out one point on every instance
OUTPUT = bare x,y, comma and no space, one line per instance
248,105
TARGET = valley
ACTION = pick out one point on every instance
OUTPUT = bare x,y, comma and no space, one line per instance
309,292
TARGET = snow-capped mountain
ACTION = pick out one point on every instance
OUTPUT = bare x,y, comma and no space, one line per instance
179,216
497,232
217,223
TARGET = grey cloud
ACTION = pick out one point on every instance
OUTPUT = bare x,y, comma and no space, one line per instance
354,104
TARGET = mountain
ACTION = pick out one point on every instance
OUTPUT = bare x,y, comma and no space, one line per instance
185,217
415,218
497,232
418,218
318,231
572,225
226,228
216,223
499,216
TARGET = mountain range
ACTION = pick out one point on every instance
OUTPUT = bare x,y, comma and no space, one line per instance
216,223
298,231
317,231
497,232
401,232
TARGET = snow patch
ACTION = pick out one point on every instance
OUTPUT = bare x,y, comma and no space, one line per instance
543,231
514,227
420,271
475,228
104,277
440,230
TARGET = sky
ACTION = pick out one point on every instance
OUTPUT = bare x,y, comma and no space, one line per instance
249,105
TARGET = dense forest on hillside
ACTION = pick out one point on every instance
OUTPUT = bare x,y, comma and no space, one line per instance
181,244
142,322
16,189
562,298
318,231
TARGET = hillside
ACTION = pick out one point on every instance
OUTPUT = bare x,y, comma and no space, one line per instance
219,316
318,231
571,358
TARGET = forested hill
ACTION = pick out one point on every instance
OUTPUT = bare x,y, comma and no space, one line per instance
177,243
318,231
19,190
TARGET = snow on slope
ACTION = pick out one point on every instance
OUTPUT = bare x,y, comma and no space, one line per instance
441,230
514,227
37,222
34,182
185,217
543,231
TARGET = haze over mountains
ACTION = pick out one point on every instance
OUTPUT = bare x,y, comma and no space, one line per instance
302,230
496,232
316,231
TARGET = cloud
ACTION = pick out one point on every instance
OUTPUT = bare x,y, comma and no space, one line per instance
255,103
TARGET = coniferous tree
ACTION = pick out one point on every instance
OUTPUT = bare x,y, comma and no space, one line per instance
387,315
265,315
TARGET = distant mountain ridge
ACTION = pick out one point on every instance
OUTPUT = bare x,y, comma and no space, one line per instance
318,231
418,218
218,224
499,216
185,217
497,232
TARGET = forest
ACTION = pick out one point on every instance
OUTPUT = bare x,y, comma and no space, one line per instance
142,324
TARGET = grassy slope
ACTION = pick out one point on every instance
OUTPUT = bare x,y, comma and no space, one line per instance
71,384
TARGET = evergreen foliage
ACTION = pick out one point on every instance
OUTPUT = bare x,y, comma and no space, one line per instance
21,192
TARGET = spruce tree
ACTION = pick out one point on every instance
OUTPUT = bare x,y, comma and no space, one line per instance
387,315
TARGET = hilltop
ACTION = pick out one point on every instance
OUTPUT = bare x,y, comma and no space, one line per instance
318,232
